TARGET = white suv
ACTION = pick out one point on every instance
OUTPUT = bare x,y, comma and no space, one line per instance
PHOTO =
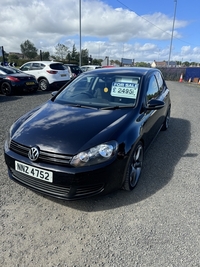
90,67
49,74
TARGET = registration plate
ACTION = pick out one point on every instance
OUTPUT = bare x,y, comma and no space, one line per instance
38,173
30,83
62,75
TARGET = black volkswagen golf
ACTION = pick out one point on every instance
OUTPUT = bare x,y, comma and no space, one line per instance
91,136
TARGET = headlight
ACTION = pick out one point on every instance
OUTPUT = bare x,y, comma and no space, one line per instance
95,155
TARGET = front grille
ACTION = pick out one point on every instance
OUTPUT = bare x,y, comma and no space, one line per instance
89,190
63,192
45,156
40,185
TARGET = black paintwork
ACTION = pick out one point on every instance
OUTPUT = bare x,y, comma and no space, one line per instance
68,130
21,84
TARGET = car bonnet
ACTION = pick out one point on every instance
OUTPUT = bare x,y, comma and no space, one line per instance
66,129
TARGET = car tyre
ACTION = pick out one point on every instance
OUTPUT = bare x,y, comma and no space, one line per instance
165,125
43,85
6,89
134,167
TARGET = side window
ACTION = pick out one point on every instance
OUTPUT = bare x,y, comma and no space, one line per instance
160,81
153,90
42,66
36,66
26,67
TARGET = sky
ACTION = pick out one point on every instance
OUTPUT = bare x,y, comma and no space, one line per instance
144,30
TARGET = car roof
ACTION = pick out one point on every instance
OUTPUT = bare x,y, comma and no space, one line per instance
71,65
45,62
91,66
120,70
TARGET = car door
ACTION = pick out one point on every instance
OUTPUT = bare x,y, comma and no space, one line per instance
33,69
163,92
152,118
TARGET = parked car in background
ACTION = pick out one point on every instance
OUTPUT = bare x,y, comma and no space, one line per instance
91,136
89,67
14,81
49,74
75,70
70,72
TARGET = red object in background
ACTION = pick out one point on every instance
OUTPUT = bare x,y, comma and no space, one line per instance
181,78
109,66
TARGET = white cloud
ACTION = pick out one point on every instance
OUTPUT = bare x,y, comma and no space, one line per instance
185,50
111,31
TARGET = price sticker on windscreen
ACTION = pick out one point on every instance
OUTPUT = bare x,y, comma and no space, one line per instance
124,89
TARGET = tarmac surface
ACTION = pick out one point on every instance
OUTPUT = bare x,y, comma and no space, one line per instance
157,224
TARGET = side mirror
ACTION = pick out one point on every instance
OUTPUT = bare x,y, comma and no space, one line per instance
54,93
155,104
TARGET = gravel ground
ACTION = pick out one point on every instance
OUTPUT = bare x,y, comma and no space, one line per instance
155,225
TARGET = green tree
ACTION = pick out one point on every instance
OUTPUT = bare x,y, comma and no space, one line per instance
194,64
13,58
142,64
97,61
28,50
178,63
45,55
74,54
84,56
186,63
61,52
115,62
68,57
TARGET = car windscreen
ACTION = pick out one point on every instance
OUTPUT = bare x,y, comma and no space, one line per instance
101,90
2,72
7,70
57,66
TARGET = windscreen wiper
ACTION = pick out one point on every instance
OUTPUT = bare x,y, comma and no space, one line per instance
116,107
79,106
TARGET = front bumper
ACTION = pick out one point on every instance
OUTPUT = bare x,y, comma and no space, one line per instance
23,87
57,84
69,183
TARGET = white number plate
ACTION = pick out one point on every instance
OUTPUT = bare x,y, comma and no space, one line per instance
34,172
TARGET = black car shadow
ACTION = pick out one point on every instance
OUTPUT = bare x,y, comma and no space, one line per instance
4,98
159,163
